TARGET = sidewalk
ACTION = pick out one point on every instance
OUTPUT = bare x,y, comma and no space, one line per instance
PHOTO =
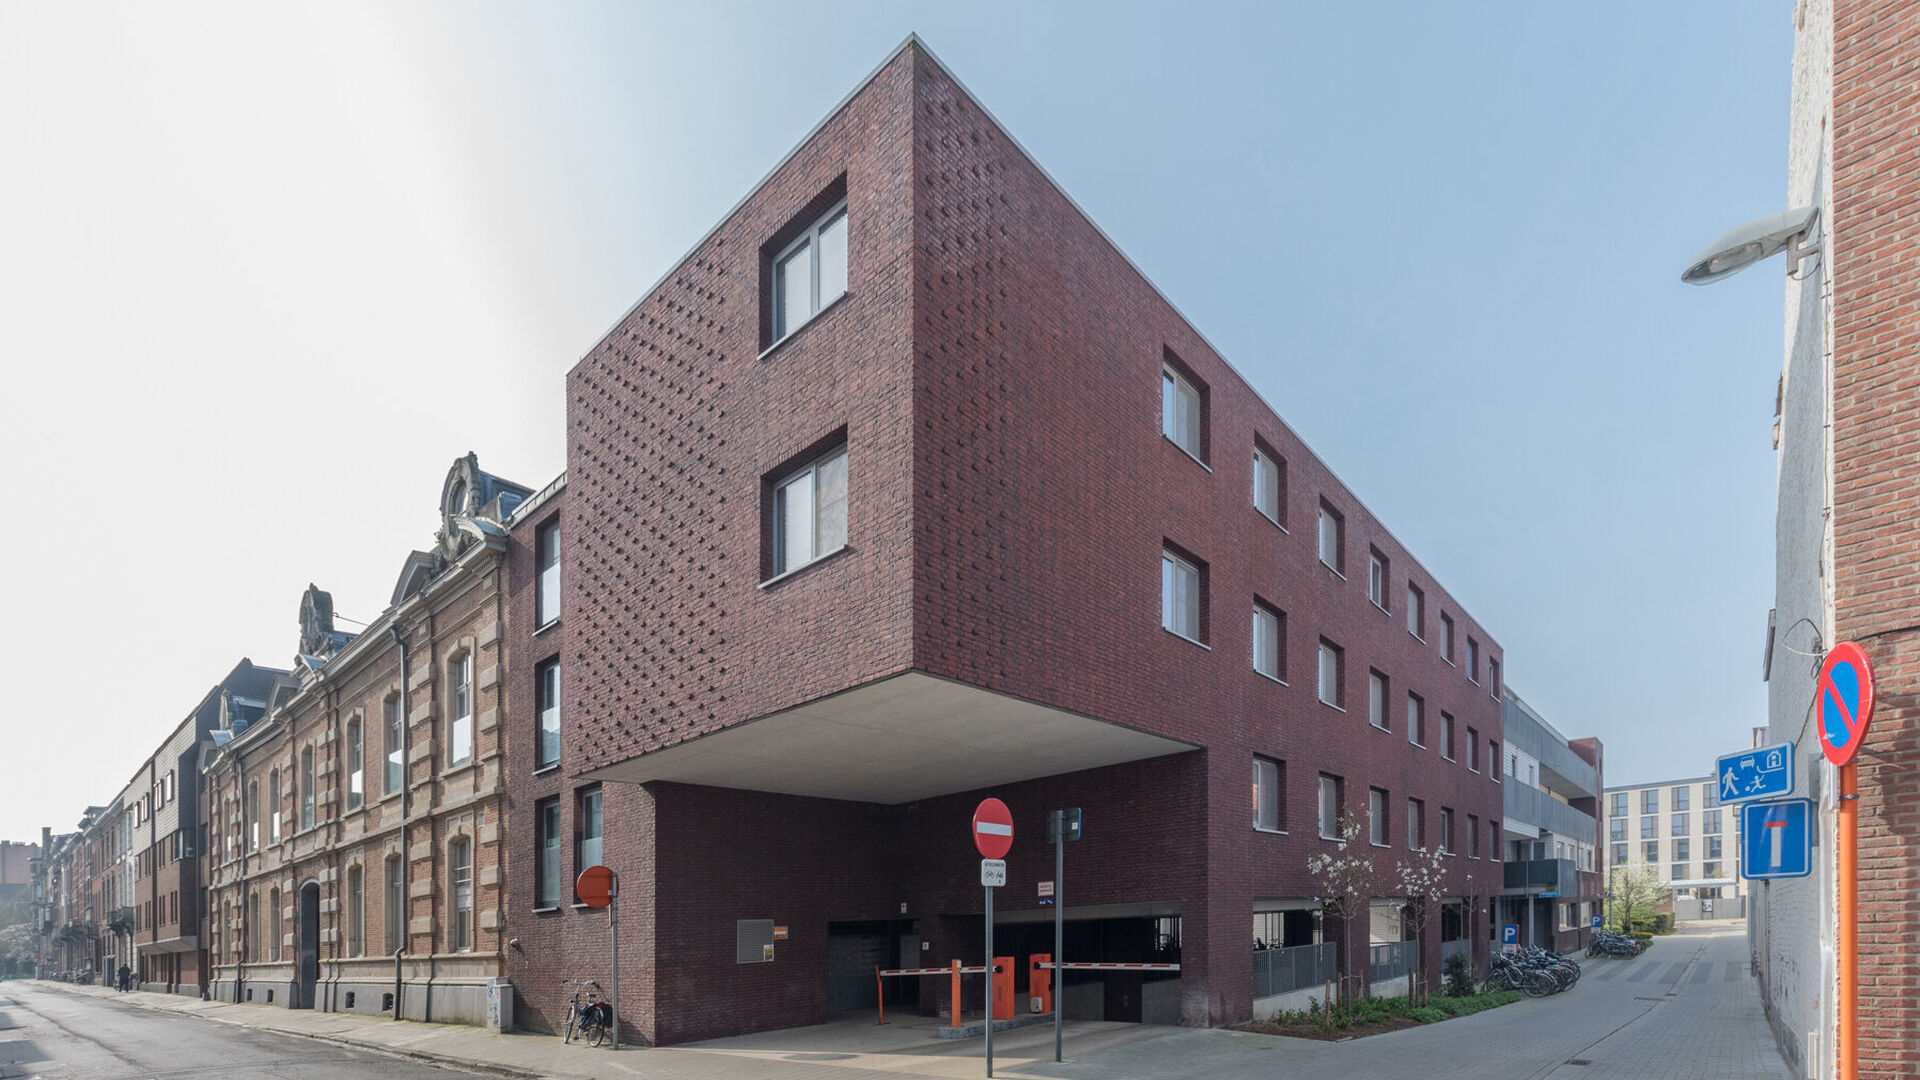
846,1050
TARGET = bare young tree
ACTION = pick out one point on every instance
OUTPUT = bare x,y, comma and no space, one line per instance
1343,880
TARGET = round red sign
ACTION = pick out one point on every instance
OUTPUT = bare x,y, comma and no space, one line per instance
993,829
597,886
1845,688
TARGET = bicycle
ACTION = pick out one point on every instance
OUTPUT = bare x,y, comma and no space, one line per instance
591,1018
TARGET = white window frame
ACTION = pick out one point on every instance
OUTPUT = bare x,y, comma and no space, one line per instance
1378,689
1446,735
1446,637
1269,641
1416,612
1377,579
1446,830
547,579
546,690
1473,660
307,794
1266,794
393,731
1327,677
1182,413
808,475
1174,618
816,303
460,710
1328,807
1416,719
1416,823
1267,486
1377,816
356,764
460,937
1331,540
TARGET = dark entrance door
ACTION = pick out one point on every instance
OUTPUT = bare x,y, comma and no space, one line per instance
854,949
309,943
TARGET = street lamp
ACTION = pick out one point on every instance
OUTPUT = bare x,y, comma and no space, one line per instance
1794,232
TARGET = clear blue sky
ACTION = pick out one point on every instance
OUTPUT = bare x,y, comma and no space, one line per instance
276,268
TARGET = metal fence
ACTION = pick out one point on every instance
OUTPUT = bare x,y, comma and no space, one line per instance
1391,961
1447,948
1282,971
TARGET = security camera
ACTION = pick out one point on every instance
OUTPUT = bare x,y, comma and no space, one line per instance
1792,232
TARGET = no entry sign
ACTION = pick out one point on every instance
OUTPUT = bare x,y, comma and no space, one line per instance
1845,692
993,829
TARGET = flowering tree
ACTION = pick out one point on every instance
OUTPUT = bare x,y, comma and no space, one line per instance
1342,880
1423,880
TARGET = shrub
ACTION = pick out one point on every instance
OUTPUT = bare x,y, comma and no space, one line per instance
1428,1015
1459,975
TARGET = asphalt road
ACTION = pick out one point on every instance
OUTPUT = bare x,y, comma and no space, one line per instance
44,1033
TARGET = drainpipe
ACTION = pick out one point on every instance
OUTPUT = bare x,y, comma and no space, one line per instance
406,809
246,927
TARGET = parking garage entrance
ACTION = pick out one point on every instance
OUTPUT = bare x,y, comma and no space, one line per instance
855,949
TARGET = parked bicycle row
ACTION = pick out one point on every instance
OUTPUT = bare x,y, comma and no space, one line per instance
1609,943
1533,971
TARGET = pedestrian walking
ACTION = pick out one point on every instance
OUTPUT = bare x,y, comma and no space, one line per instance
126,978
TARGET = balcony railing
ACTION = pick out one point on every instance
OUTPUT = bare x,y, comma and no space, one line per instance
1536,807
1282,971
1560,876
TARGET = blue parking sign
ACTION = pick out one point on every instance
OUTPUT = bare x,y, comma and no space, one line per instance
1510,934
1594,922
1776,839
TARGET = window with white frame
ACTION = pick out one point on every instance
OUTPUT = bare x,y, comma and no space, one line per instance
395,747
1416,719
306,787
1182,412
1332,540
460,896
1493,676
1377,816
547,585
1446,830
460,709
1269,484
810,272
1329,807
273,793
1377,578
1416,823
1493,759
810,512
1181,587
590,822
1332,660
1269,641
356,766
253,816
546,679
1446,735
1267,796
1377,700
1473,660
1473,748
356,911
1446,637
396,905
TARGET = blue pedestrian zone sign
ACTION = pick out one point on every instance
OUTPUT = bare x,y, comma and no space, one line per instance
1776,839
1766,773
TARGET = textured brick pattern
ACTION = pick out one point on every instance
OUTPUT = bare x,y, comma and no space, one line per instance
1876,447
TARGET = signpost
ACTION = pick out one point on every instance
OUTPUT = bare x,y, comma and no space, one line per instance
993,837
1062,826
1845,695
1510,938
599,887
1775,839
1766,773
1593,922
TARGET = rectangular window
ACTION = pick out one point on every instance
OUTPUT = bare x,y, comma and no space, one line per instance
1473,836
1619,854
356,767
1377,578
460,709
547,586
273,791
1446,637
1683,797
1181,589
1493,676
460,890
395,747
1416,720
1710,821
356,912
1709,795
1493,837
1650,851
1332,541
1617,804
1649,827
1183,412
1416,611
810,512
588,851
1446,735
1446,830
546,844
1269,483
1650,801
1682,850
1377,700
1269,641
1332,660
1473,659
1473,749
1678,825
1329,807
306,788
1617,829
547,678
810,272
1377,816
1678,872
1268,796
396,906
1493,759
1710,870
1416,823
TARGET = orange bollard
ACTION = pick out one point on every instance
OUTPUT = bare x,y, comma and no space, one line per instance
1040,981
1001,987
956,993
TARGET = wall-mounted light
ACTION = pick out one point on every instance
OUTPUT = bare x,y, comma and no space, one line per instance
1792,232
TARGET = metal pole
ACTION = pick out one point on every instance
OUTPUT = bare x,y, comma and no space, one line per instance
1847,870
613,919
989,980
1059,919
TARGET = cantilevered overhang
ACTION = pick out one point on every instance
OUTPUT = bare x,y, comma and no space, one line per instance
910,736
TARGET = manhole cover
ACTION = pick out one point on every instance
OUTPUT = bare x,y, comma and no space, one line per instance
1579,1061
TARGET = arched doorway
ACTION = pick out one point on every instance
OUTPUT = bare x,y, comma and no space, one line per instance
309,972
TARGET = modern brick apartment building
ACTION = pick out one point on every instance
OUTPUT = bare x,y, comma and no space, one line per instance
1848,457
905,488
360,813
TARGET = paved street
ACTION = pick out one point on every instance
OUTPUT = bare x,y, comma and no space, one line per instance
1688,1009
47,1033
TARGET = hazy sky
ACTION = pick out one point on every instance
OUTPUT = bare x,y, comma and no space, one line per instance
265,271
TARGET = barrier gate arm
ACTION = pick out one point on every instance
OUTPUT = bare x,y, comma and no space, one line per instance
956,970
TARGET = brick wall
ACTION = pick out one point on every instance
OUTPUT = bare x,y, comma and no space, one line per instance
1876,482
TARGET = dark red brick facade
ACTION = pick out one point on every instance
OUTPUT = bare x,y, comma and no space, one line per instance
995,369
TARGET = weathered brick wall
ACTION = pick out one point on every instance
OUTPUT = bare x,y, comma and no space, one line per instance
1876,451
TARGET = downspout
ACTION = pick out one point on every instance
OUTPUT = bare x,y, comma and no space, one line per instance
246,924
406,808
